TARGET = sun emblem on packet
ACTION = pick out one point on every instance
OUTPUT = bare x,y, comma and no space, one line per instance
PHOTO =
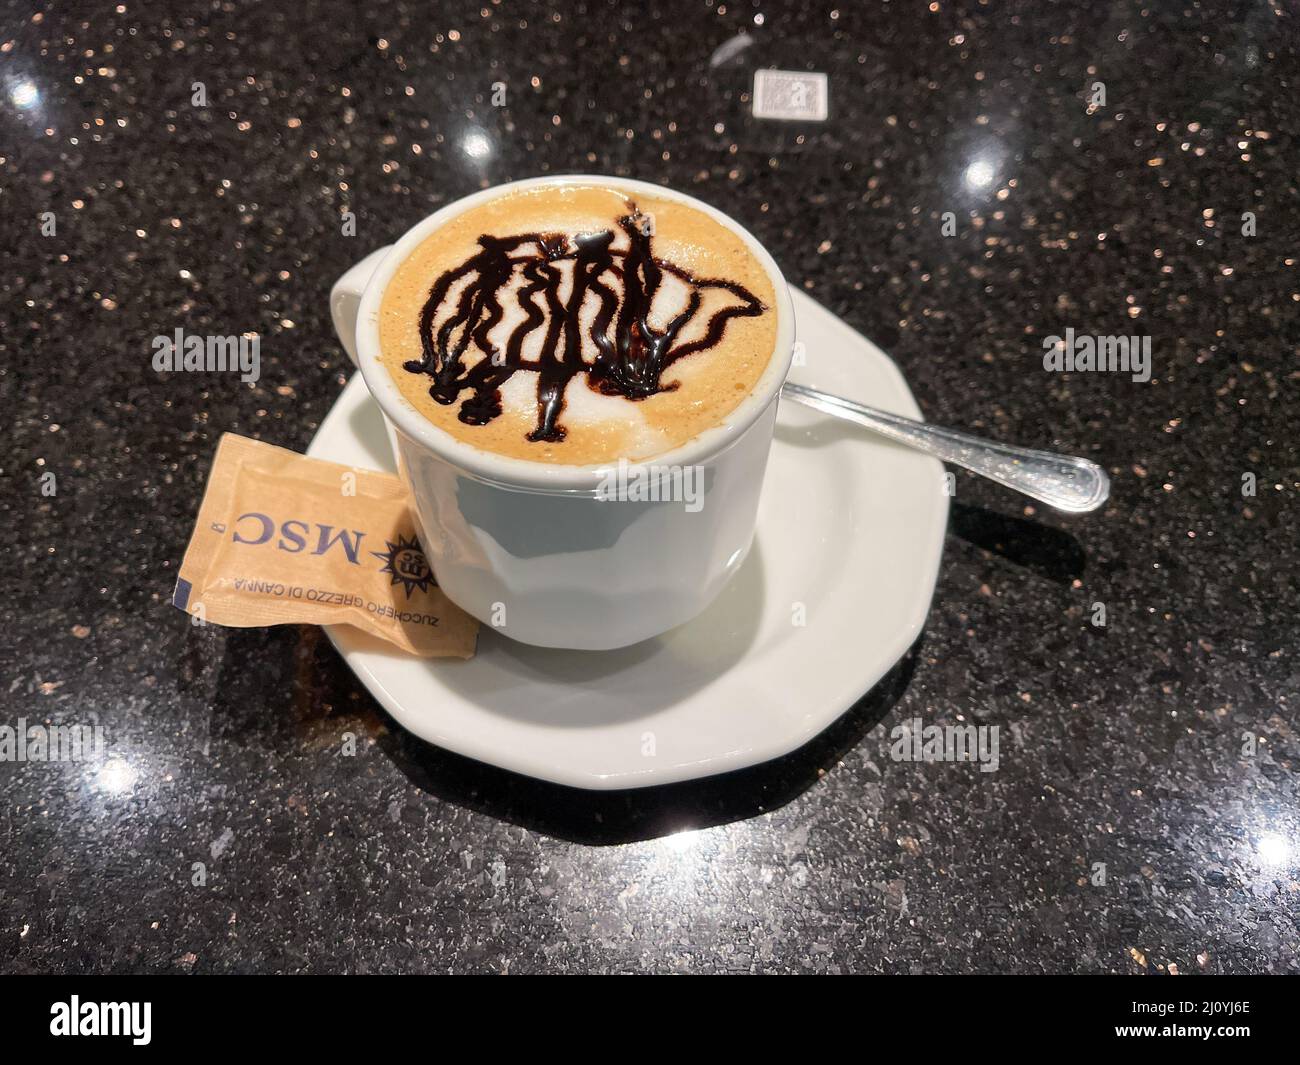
406,563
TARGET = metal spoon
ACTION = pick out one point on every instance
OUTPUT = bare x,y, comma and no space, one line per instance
1062,481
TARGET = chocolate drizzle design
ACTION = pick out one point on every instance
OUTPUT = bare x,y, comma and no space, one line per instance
630,355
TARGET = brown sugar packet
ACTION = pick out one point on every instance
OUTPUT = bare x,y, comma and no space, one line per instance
284,539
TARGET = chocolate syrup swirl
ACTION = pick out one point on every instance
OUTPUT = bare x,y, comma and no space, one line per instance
631,356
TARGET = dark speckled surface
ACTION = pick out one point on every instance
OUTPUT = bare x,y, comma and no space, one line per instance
1162,746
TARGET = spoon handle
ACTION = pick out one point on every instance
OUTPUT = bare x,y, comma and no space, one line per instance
1062,481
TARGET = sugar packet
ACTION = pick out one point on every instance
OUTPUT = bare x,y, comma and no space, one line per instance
285,539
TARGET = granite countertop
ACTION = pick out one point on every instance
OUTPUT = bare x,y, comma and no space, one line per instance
1144,814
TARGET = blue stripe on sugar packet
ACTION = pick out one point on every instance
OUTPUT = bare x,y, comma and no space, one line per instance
181,597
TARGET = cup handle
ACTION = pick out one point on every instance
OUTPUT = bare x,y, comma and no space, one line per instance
345,299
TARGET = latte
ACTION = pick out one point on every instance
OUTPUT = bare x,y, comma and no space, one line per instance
578,324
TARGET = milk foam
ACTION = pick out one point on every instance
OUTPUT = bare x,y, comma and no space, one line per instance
582,405
696,351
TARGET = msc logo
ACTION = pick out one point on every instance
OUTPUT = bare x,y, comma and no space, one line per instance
403,561
256,529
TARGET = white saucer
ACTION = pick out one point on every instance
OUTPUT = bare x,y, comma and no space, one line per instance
850,533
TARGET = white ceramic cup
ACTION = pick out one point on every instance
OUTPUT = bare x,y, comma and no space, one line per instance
538,551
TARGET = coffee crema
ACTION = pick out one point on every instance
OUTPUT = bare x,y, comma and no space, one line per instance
578,324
